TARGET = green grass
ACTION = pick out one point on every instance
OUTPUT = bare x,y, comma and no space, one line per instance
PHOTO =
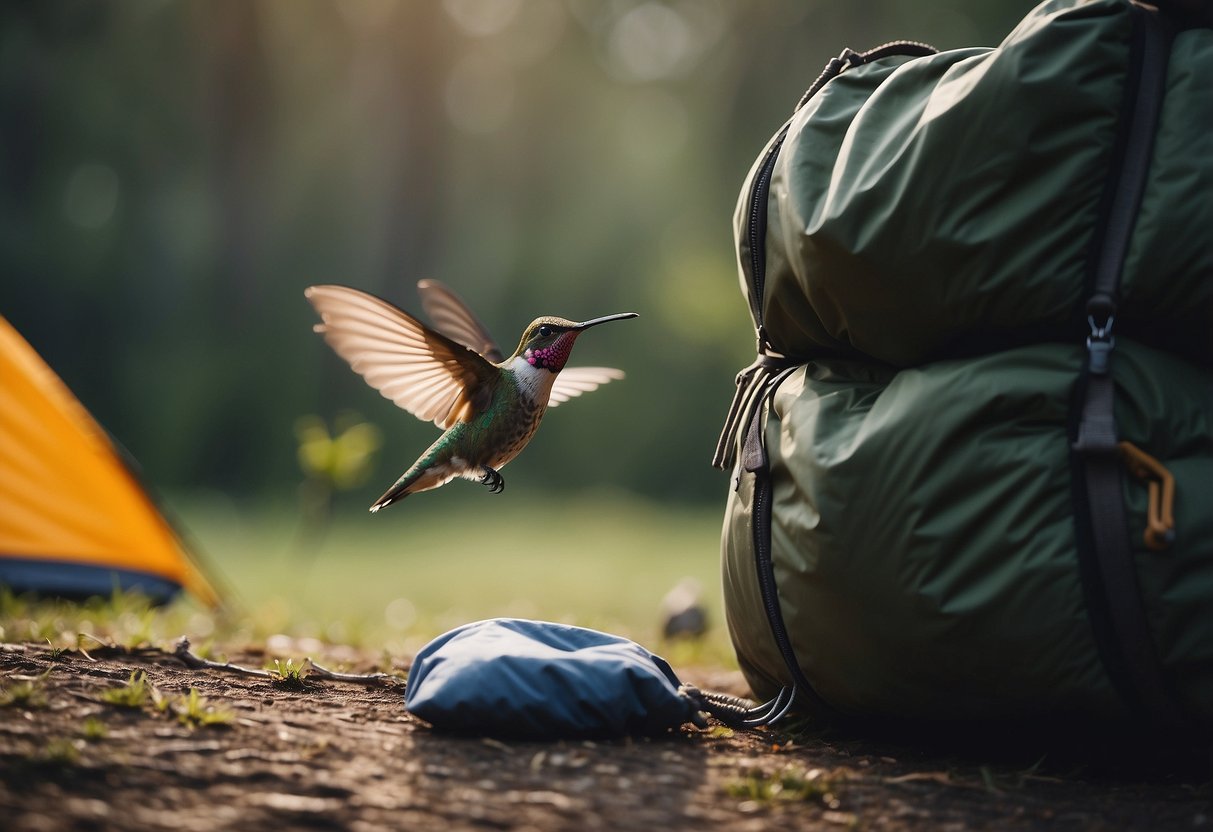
391,581
291,676
122,618
60,753
136,693
398,578
194,711
29,694
93,730
788,785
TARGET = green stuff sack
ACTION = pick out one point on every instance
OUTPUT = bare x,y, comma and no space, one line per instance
962,267
917,207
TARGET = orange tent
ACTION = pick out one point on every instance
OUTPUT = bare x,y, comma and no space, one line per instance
74,520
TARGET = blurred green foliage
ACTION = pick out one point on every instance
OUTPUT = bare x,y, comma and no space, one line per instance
173,173
341,460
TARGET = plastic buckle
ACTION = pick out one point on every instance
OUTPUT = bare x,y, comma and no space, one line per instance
1100,344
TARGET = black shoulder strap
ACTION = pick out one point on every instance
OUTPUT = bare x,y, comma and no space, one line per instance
1106,557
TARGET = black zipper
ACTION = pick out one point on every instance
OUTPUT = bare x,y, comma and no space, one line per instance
756,461
757,234
757,383
762,182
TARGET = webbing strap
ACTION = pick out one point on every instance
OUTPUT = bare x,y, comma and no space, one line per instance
1132,659
1110,537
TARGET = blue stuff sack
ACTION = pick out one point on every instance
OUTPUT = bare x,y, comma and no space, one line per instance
520,679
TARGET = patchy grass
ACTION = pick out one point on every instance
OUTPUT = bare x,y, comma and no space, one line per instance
191,709
194,711
396,579
160,703
791,784
93,730
60,752
391,583
135,694
29,694
126,618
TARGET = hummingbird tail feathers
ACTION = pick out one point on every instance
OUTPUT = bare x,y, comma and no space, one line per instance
403,488
421,477
387,499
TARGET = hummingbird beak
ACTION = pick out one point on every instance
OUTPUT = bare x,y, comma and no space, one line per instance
584,325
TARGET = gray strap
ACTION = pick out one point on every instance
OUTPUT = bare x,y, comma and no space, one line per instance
1096,440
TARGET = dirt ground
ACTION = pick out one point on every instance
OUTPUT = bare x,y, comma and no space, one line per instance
335,755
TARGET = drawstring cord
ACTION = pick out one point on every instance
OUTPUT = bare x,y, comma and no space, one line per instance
735,711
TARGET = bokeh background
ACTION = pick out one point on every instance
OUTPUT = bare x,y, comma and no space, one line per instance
173,174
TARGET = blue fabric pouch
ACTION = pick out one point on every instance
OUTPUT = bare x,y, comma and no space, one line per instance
522,679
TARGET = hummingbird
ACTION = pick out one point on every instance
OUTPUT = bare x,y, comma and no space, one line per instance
456,376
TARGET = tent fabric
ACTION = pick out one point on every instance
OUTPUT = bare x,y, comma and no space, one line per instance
525,679
64,579
73,518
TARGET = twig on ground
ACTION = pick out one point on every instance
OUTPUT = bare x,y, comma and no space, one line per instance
109,648
355,678
192,660
181,651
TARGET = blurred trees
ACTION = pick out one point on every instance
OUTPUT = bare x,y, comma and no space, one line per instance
173,174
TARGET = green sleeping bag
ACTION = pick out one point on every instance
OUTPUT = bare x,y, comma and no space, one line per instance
982,283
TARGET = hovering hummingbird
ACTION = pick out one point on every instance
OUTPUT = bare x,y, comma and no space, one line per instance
456,376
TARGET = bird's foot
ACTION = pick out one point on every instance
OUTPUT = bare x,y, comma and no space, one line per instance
493,480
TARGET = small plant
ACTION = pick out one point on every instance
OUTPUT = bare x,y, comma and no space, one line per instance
331,463
788,785
61,752
160,703
136,693
94,730
290,676
27,693
191,710
194,711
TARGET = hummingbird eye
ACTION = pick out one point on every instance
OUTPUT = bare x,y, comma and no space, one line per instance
545,331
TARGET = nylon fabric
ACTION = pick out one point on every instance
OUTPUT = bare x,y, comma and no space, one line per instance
539,680
915,201
928,233
924,539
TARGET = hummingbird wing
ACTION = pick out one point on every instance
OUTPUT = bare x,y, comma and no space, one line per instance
451,316
573,381
422,371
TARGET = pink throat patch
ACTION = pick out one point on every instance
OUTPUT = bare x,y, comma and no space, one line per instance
554,357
